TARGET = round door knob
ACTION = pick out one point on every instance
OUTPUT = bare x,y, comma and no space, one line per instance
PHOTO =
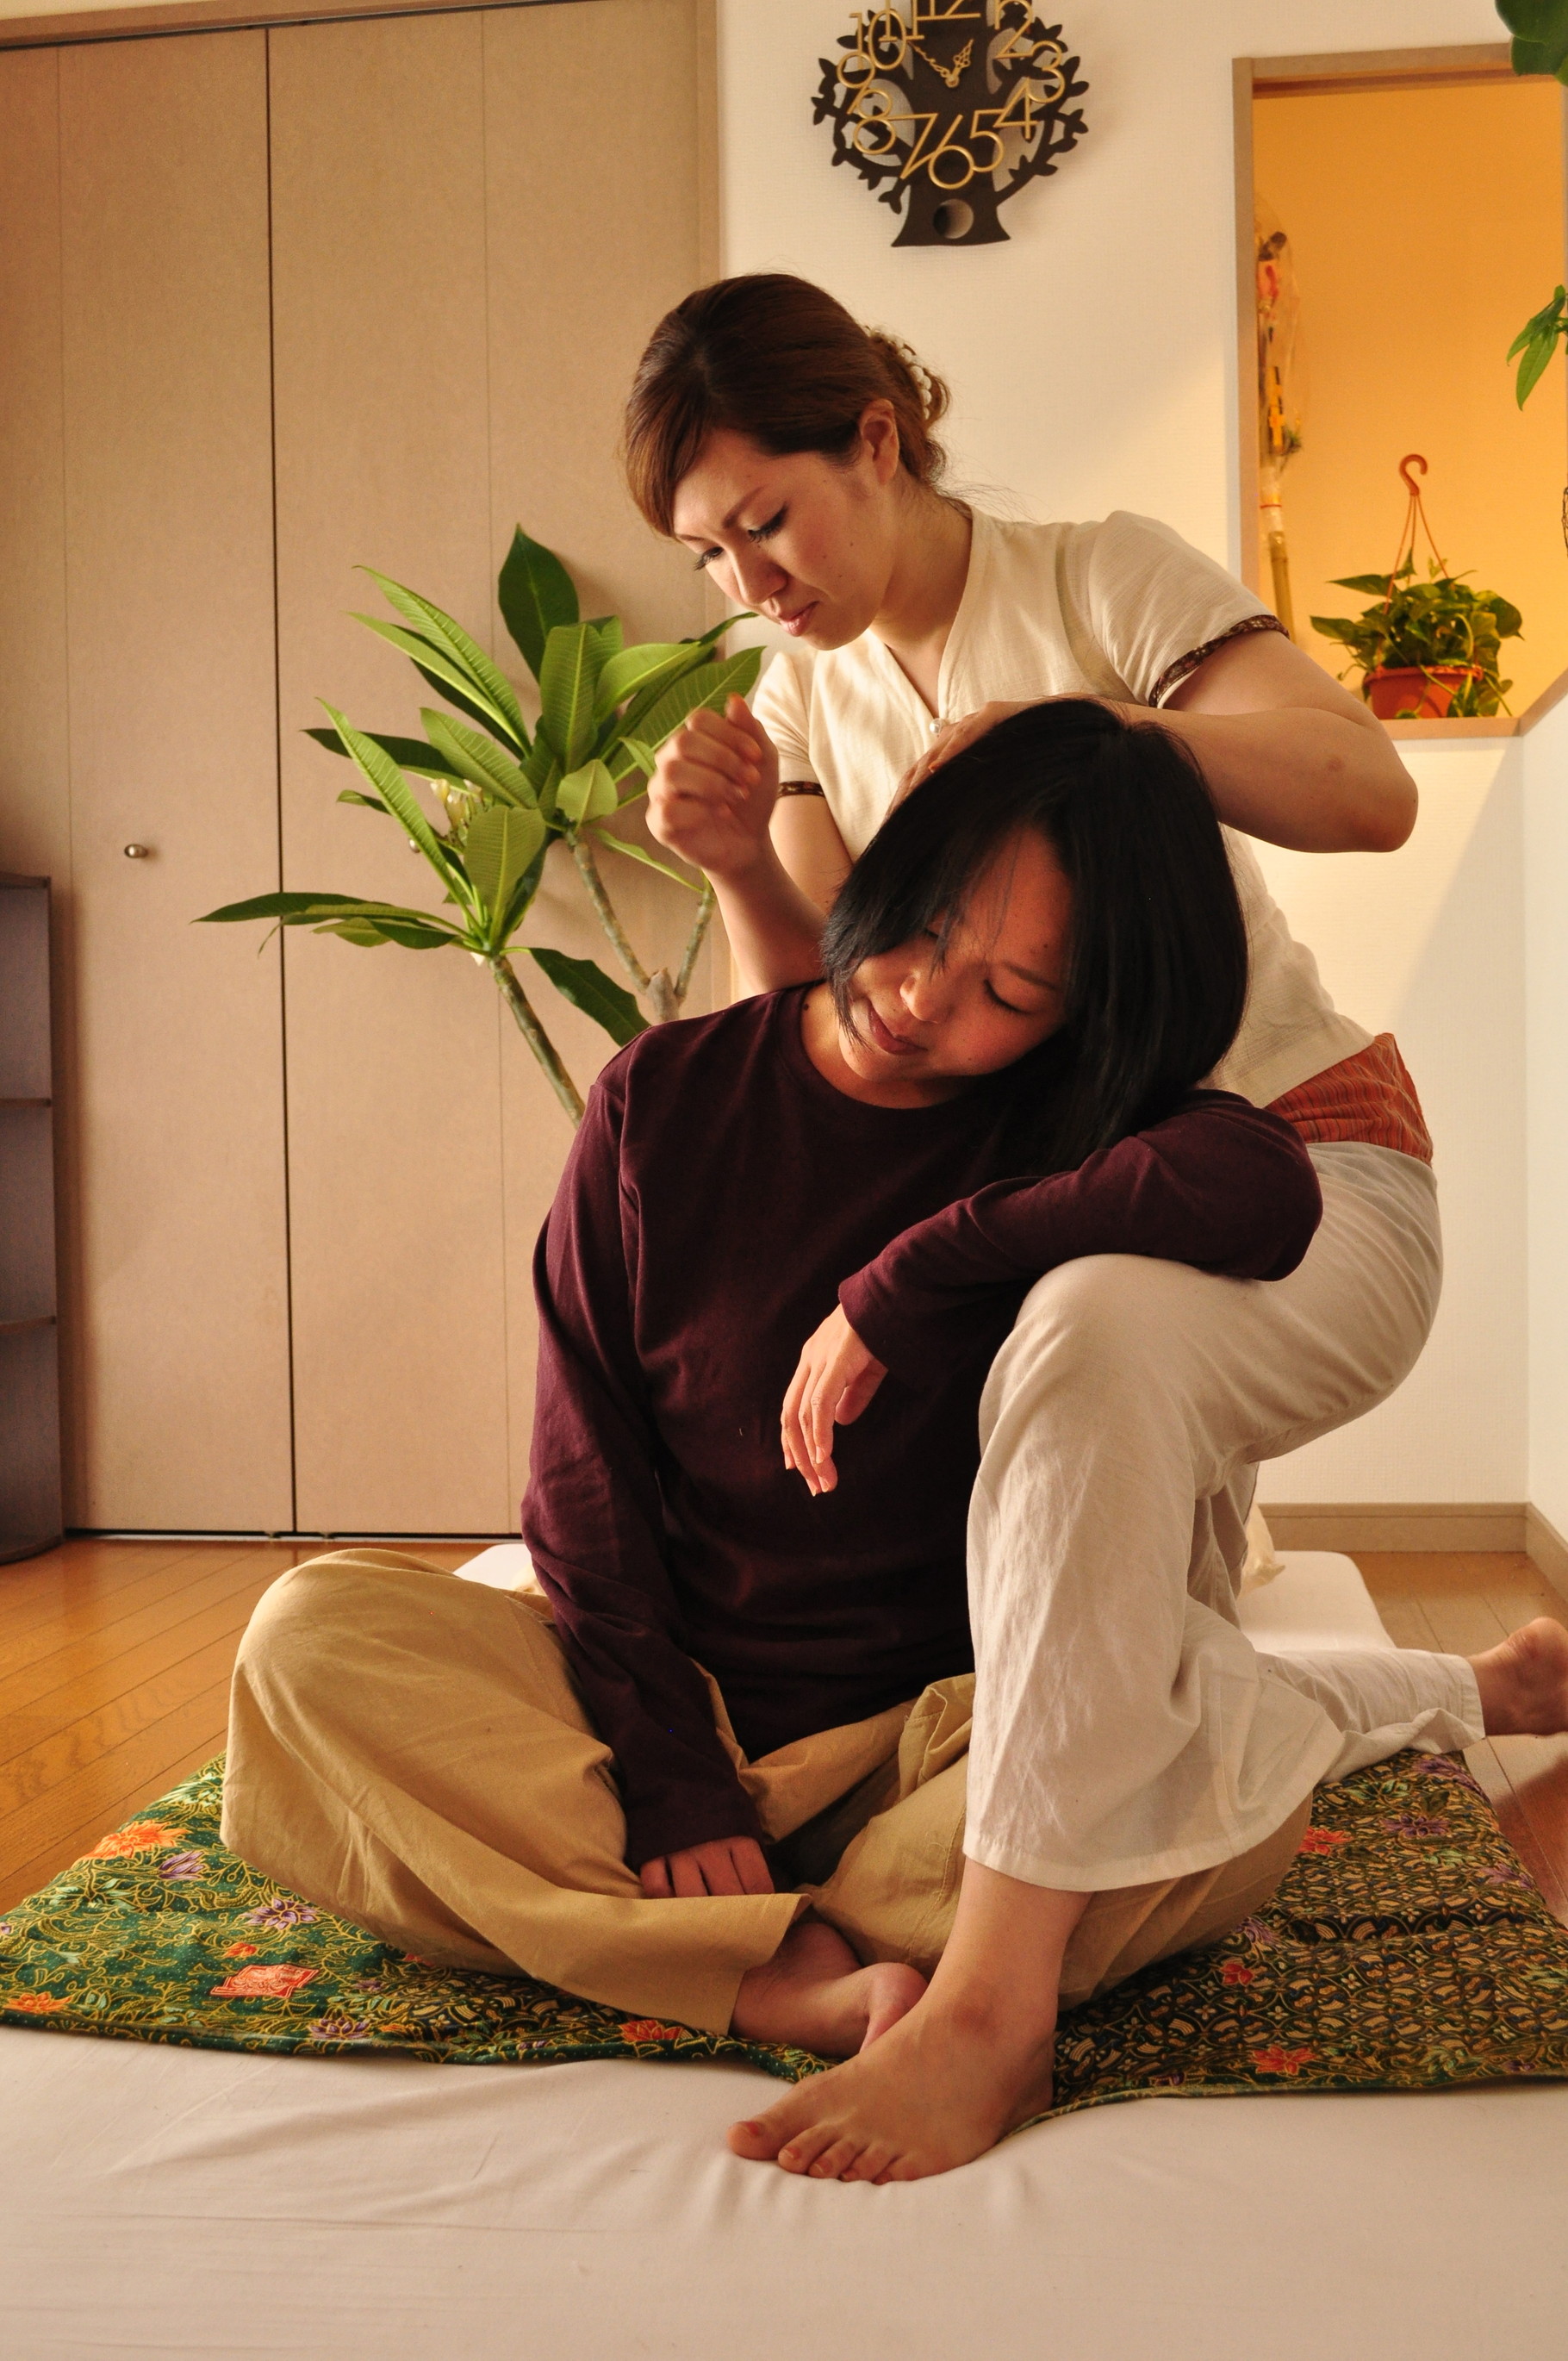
138,852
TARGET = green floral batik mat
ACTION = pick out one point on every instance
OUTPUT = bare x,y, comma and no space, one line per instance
1407,1948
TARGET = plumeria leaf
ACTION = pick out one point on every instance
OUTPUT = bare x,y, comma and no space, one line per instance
635,852
478,759
408,754
489,682
447,678
632,760
655,665
500,846
369,934
536,593
710,686
586,794
299,910
568,680
404,804
288,910
588,988
465,704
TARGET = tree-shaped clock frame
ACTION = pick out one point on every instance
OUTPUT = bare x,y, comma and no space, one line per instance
947,108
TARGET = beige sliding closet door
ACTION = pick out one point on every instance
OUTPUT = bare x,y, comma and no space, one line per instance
599,218
157,448
354,292
465,265
400,1277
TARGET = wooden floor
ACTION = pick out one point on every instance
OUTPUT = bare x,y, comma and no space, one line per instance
114,1662
1461,1604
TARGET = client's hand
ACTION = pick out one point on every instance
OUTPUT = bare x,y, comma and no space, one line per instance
723,1865
713,790
836,1379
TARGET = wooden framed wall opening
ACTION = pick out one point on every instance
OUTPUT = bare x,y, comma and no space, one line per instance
1422,195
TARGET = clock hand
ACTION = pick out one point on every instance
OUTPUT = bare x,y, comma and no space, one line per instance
951,74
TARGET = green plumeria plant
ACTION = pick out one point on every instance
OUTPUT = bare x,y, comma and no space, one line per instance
507,795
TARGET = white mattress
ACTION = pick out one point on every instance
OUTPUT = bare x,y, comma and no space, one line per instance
170,2202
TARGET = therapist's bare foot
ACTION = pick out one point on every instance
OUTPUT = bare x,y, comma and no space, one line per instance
1524,1683
938,2090
815,1994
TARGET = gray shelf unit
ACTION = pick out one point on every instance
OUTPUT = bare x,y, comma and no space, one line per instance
29,1333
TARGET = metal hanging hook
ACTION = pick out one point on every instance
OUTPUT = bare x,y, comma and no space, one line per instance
1411,459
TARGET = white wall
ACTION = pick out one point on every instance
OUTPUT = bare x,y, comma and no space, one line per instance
1093,355
1427,943
1092,360
1546,1085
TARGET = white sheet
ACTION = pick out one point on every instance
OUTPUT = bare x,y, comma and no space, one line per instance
170,2202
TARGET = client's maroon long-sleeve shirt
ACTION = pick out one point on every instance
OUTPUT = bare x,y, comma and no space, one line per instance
719,1195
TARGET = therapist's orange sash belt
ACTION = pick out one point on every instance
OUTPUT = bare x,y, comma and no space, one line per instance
1369,1097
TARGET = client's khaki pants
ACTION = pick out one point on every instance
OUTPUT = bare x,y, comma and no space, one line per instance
407,1748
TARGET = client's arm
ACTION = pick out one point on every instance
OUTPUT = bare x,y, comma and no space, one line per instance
593,1523
1220,1185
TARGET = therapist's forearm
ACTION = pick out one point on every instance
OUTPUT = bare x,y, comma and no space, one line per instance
1300,776
775,931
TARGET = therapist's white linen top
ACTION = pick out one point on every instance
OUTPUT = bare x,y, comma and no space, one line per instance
1125,609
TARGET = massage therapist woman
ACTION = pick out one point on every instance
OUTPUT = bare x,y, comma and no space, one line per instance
792,452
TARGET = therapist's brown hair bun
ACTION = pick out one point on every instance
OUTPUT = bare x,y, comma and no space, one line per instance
780,361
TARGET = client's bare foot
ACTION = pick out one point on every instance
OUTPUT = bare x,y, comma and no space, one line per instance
815,1994
1524,1683
940,2089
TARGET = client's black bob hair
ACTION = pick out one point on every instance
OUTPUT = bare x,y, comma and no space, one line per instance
1158,967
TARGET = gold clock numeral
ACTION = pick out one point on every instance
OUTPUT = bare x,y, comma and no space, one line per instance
933,12
872,110
1018,49
888,40
882,44
857,67
979,130
949,145
1018,115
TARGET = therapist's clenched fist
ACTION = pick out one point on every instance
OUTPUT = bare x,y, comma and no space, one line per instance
712,791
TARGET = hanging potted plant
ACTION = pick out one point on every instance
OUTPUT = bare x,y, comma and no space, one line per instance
1426,649
1429,646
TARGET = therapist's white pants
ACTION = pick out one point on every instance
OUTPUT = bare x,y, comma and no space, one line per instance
1125,1728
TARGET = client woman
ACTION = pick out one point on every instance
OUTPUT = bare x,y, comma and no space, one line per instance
753,1685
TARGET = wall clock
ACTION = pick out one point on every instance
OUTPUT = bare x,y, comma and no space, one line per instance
947,108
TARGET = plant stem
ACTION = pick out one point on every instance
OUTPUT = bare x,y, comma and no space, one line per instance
694,943
588,869
535,1036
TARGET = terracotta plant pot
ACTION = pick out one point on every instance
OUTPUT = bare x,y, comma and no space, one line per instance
1406,693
